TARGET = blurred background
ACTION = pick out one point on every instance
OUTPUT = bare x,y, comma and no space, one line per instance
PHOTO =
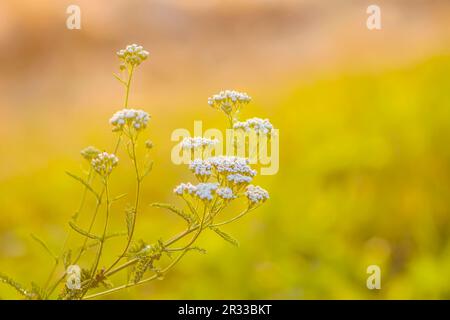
364,119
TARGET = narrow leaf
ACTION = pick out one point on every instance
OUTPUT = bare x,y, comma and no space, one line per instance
147,170
18,287
67,258
225,236
82,232
201,250
44,245
187,217
118,197
119,78
130,216
84,183
115,234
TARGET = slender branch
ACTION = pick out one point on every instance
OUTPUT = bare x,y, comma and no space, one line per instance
127,92
83,248
75,218
136,206
154,277
232,219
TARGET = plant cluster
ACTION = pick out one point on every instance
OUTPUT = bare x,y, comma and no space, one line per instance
221,180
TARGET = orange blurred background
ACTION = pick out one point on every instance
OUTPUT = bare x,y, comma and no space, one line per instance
364,119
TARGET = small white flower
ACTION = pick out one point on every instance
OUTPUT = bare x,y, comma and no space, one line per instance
229,100
133,55
183,188
137,119
104,163
200,167
89,153
230,164
261,126
238,178
227,96
198,142
204,190
256,194
225,193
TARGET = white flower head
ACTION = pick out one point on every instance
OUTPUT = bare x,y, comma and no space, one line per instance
200,167
256,194
229,100
225,193
184,188
89,153
132,55
230,164
260,126
134,119
104,163
197,142
204,190
238,178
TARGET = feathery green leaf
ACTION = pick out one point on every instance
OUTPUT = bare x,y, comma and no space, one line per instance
187,217
17,286
225,236
83,232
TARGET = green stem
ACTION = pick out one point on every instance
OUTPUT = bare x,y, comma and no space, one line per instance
97,207
105,228
154,277
75,218
167,243
102,241
232,219
127,92
136,206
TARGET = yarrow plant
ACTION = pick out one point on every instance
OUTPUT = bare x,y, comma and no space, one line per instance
221,180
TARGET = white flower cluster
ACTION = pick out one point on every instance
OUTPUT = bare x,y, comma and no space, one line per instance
104,163
198,142
256,194
137,119
225,193
231,164
229,96
238,178
183,188
261,126
229,100
236,169
200,167
203,191
89,153
132,55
